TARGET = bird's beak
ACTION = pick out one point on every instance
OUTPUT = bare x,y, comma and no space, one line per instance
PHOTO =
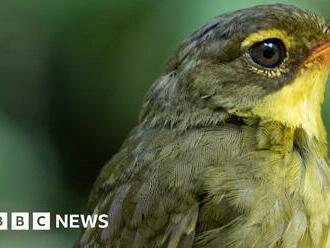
321,55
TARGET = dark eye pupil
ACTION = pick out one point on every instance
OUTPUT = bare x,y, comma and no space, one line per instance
269,53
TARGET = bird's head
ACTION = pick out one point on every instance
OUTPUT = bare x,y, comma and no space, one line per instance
269,62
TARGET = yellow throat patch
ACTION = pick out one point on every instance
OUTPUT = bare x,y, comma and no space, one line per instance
298,104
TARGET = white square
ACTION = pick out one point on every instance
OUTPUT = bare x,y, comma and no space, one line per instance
3,221
41,221
20,221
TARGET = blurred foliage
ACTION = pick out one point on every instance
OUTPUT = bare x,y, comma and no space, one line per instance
73,76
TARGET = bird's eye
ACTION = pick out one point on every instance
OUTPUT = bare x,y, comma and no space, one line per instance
268,53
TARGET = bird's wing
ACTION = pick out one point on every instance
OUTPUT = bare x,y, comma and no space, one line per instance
144,214
152,189
147,190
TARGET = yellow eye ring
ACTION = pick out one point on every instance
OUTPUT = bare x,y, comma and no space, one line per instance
259,36
267,38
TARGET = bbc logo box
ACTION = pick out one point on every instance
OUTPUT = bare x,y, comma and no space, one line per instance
21,221
41,221
3,221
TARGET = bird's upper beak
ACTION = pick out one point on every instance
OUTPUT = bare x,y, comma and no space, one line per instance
321,54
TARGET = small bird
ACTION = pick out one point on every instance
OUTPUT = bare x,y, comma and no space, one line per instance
230,149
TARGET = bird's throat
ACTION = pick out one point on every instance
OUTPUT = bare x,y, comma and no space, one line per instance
299,103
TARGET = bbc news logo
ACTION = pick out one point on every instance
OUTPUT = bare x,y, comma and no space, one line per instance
42,221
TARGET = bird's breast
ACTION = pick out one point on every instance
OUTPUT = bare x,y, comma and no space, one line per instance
277,195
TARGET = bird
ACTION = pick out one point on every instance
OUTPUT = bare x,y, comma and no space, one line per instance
230,149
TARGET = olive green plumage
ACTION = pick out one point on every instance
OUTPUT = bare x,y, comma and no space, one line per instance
202,169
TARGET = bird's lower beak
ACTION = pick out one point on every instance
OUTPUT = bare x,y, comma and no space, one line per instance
321,55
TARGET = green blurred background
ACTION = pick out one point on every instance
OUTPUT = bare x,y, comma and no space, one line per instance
72,79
